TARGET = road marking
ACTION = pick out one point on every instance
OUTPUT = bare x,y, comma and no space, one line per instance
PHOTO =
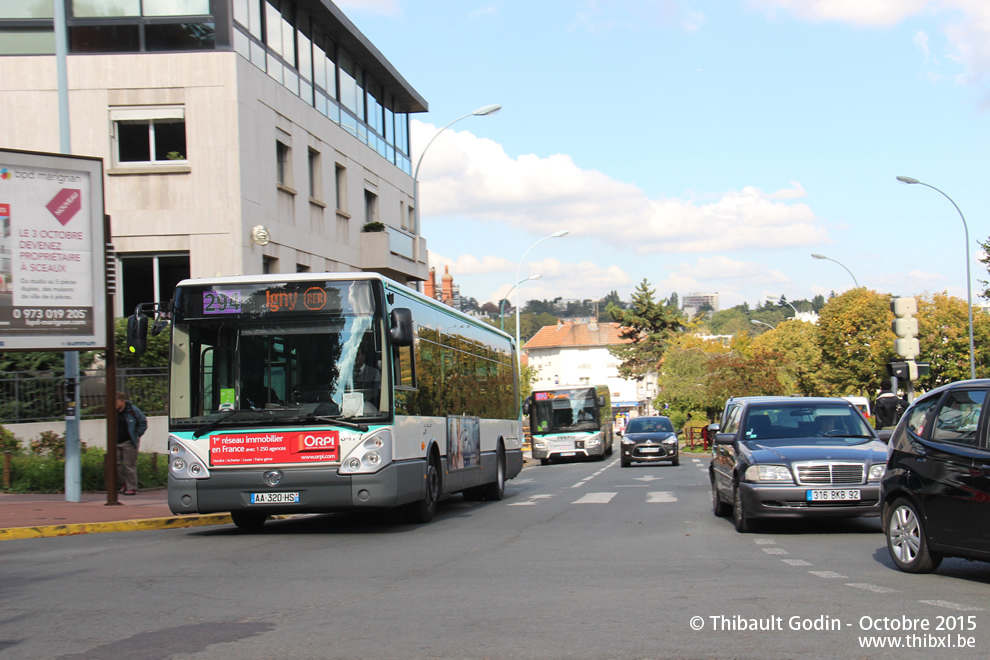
765,542
952,606
871,587
595,498
532,500
796,562
775,551
648,477
660,496
828,574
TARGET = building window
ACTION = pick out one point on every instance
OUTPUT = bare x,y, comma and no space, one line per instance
149,135
302,268
284,164
315,176
370,206
341,182
269,265
150,277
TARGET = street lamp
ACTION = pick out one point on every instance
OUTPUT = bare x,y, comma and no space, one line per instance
822,256
480,112
557,234
501,306
755,322
969,286
781,300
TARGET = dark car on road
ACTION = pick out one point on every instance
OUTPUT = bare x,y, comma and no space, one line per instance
936,492
649,440
795,457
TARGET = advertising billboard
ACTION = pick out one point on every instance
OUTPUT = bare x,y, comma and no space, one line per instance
52,269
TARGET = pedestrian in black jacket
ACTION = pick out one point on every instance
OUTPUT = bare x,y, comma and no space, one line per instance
131,425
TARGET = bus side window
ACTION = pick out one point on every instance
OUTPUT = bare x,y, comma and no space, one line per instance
402,359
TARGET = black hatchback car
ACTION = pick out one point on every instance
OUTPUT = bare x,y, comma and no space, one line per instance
936,492
794,457
649,440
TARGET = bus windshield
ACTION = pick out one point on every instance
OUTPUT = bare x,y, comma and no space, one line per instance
565,410
277,354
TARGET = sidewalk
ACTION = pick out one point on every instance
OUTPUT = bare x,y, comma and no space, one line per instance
38,516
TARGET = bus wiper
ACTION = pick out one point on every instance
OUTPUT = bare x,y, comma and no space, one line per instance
336,420
209,426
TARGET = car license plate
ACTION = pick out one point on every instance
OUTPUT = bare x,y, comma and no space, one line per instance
832,495
274,498
650,450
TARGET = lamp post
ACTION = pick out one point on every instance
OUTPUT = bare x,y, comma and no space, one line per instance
501,318
556,234
969,286
822,256
483,111
755,322
781,299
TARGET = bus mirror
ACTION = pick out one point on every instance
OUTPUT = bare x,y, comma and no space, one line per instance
526,407
601,400
137,333
401,327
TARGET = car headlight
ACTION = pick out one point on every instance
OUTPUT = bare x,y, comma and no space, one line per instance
183,463
592,442
539,445
769,473
627,441
670,441
876,471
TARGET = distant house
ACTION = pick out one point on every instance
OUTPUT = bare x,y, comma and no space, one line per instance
575,352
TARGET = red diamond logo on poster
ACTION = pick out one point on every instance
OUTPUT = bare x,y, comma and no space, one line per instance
65,205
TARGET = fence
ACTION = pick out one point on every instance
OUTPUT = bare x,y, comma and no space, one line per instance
38,396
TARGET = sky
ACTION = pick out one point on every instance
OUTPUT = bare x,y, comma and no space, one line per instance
702,145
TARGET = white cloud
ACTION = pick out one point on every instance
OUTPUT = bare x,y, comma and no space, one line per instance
468,264
471,176
965,23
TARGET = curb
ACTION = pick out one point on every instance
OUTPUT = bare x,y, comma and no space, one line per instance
49,531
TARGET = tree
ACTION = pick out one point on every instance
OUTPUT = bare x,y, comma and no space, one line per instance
856,340
735,374
647,327
729,322
798,356
470,305
817,303
490,308
943,332
684,377
673,301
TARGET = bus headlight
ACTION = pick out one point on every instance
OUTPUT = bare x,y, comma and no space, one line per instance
370,455
183,462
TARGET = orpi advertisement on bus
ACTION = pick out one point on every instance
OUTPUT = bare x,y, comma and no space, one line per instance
52,271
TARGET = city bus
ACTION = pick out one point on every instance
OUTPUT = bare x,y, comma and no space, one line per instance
316,393
570,422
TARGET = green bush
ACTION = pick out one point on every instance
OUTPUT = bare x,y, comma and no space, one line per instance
46,474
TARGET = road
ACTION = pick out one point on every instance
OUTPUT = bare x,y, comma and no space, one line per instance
581,560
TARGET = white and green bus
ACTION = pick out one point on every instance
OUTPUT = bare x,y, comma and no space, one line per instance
566,422
314,393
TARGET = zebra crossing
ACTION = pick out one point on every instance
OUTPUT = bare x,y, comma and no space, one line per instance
650,497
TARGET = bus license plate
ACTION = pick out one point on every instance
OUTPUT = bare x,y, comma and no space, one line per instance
832,495
274,498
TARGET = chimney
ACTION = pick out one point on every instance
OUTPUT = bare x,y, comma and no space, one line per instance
430,285
448,286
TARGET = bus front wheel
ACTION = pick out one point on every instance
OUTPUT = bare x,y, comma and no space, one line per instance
248,519
424,510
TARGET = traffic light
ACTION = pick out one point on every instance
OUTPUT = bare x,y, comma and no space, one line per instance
137,333
905,326
908,371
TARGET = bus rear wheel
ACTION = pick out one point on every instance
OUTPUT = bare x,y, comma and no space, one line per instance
495,490
248,519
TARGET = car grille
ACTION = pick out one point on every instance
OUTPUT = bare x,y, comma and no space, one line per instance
818,474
